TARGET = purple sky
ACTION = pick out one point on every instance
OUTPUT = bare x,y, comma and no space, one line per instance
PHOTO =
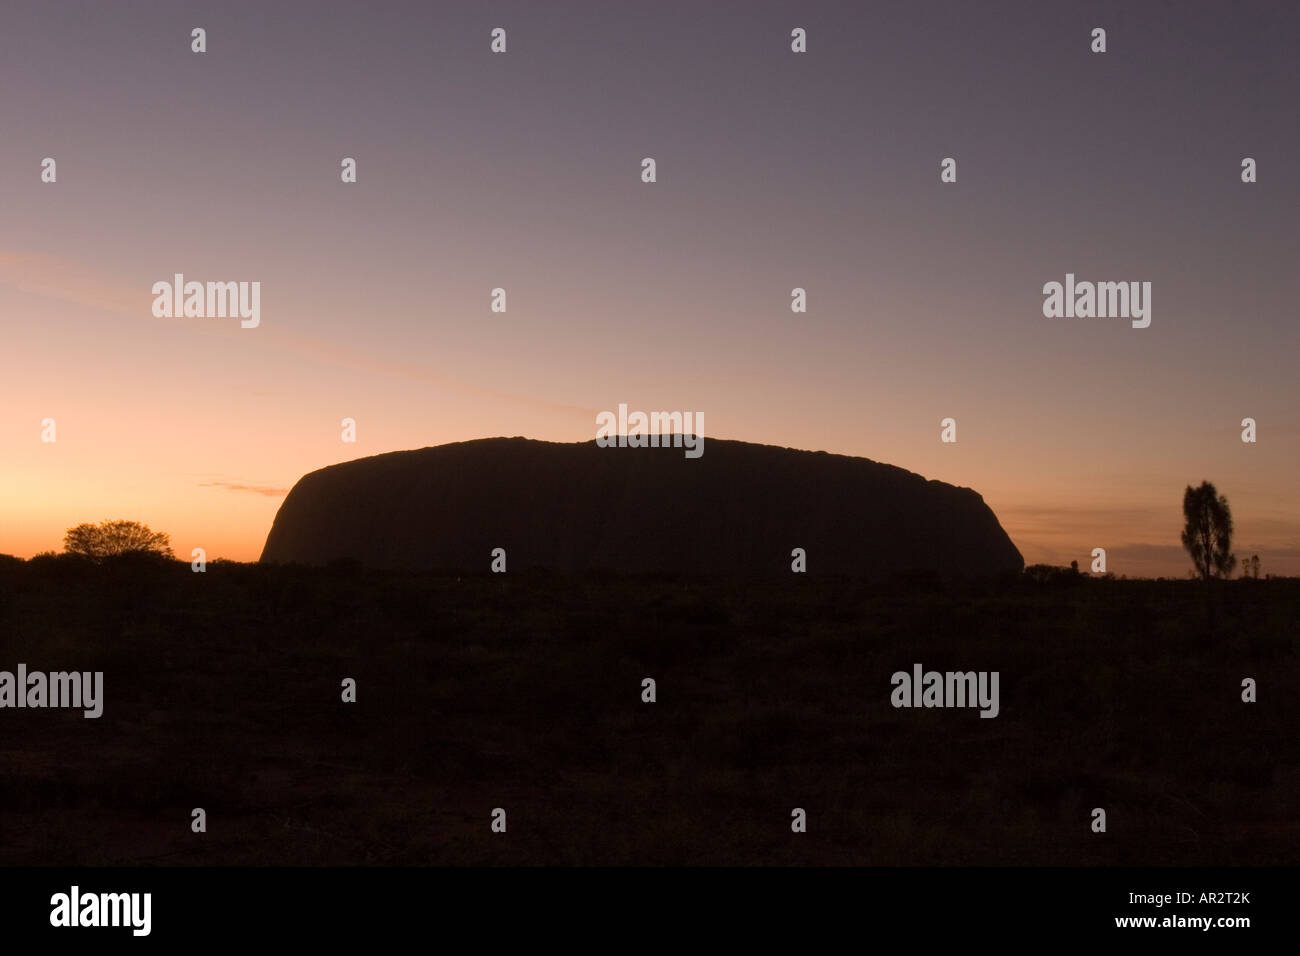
775,170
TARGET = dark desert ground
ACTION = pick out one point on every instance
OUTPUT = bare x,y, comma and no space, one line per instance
522,691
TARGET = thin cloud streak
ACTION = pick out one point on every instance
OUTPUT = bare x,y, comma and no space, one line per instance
272,491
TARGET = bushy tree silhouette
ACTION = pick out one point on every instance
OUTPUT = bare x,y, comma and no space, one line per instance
1208,533
109,538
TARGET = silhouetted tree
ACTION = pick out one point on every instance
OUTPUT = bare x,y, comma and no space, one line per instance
109,538
1254,566
1208,533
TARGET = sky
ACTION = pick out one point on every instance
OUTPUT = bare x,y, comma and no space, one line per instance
775,170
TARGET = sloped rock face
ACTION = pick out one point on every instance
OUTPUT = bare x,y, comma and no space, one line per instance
740,508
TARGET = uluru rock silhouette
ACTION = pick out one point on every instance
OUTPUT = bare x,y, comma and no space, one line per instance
740,508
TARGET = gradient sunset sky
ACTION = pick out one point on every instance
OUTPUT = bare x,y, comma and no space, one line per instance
775,170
